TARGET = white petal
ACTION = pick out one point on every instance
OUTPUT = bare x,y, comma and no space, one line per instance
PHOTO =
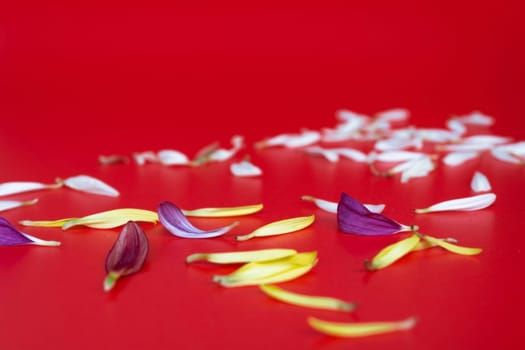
352,117
465,147
89,184
225,154
477,202
420,167
375,208
437,135
331,207
38,241
6,205
305,139
486,139
14,187
351,153
505,156
329,154
458,158
142,157
480,183
514,148
398,156
397,143
172,157
476,118
456,126
393,115
245,168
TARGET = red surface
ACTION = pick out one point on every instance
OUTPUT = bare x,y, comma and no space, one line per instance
87,78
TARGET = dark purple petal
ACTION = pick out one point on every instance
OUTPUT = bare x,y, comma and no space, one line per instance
129,251
354,217
174,220
10,236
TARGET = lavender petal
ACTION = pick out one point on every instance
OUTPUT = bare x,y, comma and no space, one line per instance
10,236
354,217
174,220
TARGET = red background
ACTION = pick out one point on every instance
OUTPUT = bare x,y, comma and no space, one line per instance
87,78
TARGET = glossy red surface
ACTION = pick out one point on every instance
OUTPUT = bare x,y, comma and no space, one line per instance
88,78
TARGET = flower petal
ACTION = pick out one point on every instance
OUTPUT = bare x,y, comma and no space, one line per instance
112,159
14,187
267,272
360,329
6,205
173,220
306,138
392,253
480,183
224,212
476,202
331,207
398,156
354,217
393,115
172,157
89,184
10,236
245,168
142,158
329,154
220,155
127,255
280,227
456,126
451,247
316,302
419,168
476,118
458,158
505,156
241,256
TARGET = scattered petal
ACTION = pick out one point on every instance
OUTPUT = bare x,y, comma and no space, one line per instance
112,159
173,220
306,138
331,207
352,154
267,272
6,205
396,143
418,168
142,158
89,184
398,156
486,140
505,156
476,118
393,115
106,219
127,255
480,183
172,157
451,247
241,256
220,155
436,135
393,253
517,149
458,158
456,126
332,154
329,154
317,302
280,227
477,202
354,217
245,168
360,329
15,187
224,212
10,236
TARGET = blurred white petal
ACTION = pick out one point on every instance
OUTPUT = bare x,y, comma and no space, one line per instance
393,115
505,156
245,168
458,158
419,168
456,126
517,148
306,138
398,156
351,153
465,147
397,143
142,157
225,154
331,207
172,157
436,135
14,187
89,184
480,183
329,154
486,139
6,205
476,118
476,202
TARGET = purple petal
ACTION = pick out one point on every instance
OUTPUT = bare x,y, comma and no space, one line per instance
129,251
173,219
10,236
354,217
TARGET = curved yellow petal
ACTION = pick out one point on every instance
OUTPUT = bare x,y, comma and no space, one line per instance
393,252
280,227
224,212
46,223
113,218
242,256
361,329
318,302
426,244
452,247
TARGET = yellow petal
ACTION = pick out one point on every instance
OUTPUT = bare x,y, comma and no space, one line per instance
361,329
223,212
113,218
452,247
267,272
393,252
242,256
426,244
44,223
280,227
317,302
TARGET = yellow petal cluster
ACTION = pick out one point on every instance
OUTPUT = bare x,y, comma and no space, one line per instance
280,227
317,302
267,272
359,329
